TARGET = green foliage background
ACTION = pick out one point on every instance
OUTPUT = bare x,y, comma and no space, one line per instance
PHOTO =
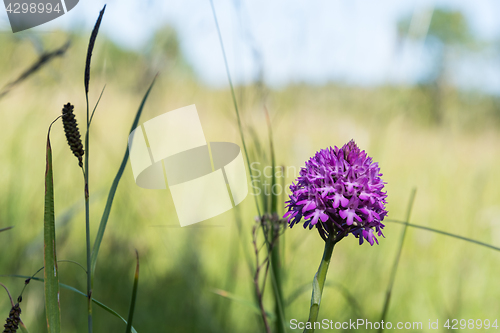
454,165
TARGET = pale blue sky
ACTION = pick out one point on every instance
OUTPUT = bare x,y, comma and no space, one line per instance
298,41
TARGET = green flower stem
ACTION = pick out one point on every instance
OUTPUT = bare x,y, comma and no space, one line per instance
319,283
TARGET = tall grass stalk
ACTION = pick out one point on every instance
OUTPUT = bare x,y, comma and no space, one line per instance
235,102
90,48
134,296
396,261
273,250
49,216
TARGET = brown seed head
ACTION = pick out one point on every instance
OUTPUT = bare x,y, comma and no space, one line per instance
12,322
72,132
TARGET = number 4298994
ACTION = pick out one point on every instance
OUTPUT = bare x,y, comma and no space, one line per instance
455,324
18,8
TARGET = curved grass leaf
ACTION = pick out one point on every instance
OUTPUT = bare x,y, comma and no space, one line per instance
112,191
96,302
51,275
251,305
44,59
470,240
134,296
96,104
101,305
5,229
65,286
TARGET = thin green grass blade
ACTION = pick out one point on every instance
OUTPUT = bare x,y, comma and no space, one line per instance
8,293
101,305
447,234
235,103
134,296
274,197
65,286
113,312
51,274
396,260
5,229
277,287
23,328
75,263
96,105
114,186
253,306
234,256
275,252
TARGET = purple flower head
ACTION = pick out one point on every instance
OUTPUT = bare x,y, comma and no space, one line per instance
339,191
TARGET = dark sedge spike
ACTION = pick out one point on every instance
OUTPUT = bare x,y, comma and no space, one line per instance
72,132
12,322
93,37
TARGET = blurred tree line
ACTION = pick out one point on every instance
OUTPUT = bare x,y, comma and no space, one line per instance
160,54
444,33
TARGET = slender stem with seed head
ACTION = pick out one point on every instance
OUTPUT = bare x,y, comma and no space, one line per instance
86,79
87,222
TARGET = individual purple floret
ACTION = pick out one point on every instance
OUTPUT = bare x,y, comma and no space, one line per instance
339,191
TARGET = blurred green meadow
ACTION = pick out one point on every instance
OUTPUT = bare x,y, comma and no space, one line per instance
452,163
